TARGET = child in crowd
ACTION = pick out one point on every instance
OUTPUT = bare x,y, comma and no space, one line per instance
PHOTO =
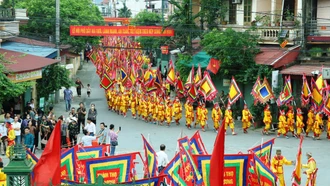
89,90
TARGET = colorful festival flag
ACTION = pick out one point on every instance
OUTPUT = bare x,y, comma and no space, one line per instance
179,88
184,142
30,156
264,151
217,162
150,157
192,93
305,91
92,151
154,181
197,145
326,108
207,88
106,81
234,92
265,175
171,73
68,164
198,76
255,90
296,174
190,78
123,76
191,168
116,169
265,92
317,98
286,95
172,171
214,65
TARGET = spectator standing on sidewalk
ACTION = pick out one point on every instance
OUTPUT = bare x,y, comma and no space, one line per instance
81,115
17,128
79,85
92,113
73,131
113,139
68,95
90,127
3,135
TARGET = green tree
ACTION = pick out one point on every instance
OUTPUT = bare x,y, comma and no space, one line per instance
211,11
124,12
9,89
72,12
60,78
183,22
146,18
237,51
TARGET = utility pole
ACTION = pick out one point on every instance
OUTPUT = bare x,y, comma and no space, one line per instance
57,40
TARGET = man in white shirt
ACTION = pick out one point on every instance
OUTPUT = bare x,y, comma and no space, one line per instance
90,127
17,128
162,158
86,140
3,136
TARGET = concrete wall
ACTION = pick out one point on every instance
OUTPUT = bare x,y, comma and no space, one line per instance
264,6
322,11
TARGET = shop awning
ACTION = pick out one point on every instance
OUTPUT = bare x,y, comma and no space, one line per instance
277,57
301,69
21,62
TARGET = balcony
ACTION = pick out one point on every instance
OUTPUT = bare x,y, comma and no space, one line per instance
7,14
9,22
270,35
318,31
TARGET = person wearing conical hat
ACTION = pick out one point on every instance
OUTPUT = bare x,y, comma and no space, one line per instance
161,112
267,119
246,118
229,120
310,120
189,113
177,110
318,125
168,113
216,116
198,114
299,122
204,117
290,121
282,125
311,170
277,163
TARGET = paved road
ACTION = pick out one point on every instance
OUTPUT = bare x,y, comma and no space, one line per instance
130,136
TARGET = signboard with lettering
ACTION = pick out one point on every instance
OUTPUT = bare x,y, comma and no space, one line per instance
121,31
25,76
226,82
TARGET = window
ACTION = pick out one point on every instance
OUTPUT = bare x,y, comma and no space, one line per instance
247,11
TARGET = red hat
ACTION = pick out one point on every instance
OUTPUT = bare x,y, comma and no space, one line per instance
298,110
216,104
282,112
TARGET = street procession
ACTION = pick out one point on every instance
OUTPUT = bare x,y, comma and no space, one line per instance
164,93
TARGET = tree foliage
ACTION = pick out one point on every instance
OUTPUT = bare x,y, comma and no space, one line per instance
237,51
72,12
211,11
146,18
183,22
9,89
60,78
124,12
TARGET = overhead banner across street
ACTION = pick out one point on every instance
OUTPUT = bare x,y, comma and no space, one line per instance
156,31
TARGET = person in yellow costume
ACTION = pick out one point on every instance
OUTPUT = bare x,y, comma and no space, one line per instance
177,110
310,120
10,138
133,105
204,117
117,101
267,119
3,176
299,122
216,116
189,113
168,113
229,120
318,125
311,170
161,112
155,111
113,99
108,96
246,118
145,109
328,127
198,114
290,121
277,166
124,103
139,105
282,125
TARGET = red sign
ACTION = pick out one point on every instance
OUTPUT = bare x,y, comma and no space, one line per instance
229,177
120,31
110,175
164,49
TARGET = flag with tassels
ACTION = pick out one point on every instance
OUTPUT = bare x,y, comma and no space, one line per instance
123,75
265,92
192,93
171,74
151,158
286,95
158,80
326,108
317,99
296,174
190,78
207,88
255,90
234,92
179,88
198,76
213,66
305,91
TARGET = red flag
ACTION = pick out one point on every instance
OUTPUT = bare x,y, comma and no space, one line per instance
213,65
48,168
217,162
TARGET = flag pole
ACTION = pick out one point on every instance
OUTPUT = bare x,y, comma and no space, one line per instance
177,144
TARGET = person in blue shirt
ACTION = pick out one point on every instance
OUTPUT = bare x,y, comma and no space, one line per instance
29,139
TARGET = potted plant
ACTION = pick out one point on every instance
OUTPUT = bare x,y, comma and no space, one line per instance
258,20
316,52
222,14
277,21
289,18
328,51
266,20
